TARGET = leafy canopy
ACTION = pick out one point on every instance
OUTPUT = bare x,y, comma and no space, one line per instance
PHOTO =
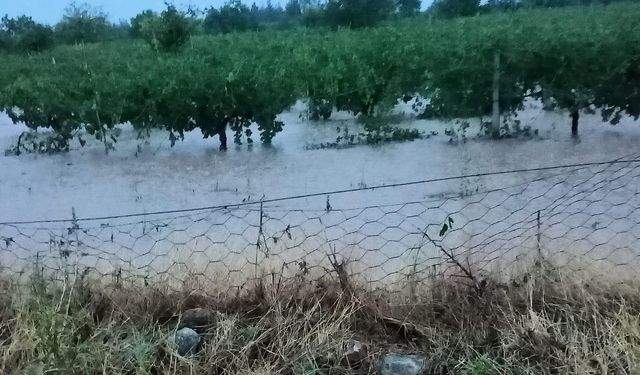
23,34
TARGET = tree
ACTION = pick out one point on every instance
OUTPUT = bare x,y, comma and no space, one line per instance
502,5
293,9
139,20
408,8
277,14
619,93
121,30
23,34
233,16
82,24
455,8
169,32
268,14
255,9
357,13
552,3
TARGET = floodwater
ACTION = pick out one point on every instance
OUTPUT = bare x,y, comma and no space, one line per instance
194,173
144,177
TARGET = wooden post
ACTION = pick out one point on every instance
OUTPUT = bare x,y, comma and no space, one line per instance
495,113
575,117
258,247
538,238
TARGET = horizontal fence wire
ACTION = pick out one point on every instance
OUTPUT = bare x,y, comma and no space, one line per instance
581,218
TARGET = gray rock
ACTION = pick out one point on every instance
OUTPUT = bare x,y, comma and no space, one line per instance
355,353
394,364
198,319
353,346
187,341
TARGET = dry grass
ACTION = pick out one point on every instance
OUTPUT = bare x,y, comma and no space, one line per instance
540,325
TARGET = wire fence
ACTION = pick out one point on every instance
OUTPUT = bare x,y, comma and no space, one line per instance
583,218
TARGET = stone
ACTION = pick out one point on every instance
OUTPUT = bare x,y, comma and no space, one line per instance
187,341
197,319
395,364
355,353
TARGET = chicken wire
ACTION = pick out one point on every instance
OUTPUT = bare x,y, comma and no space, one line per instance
582,219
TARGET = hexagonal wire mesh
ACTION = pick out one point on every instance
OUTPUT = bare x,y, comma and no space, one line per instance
579,218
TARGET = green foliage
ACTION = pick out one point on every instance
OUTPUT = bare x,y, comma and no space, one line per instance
233,81
320,109
269,14
233,16
377,130
67,339
581,57
121,30
408,8
168,33
138,22
82,24
357,13
621,95
564,3
40,143
23,34
293,8
482,365
595,66
455,8
447,226
501,5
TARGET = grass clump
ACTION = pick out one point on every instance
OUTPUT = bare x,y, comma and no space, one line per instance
542,325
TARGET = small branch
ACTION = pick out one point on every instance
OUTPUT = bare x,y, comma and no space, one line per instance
343,277
466,270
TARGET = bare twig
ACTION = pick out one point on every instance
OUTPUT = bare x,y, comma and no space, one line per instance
452,258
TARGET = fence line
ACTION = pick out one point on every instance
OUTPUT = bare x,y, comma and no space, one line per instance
333,192
585,219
